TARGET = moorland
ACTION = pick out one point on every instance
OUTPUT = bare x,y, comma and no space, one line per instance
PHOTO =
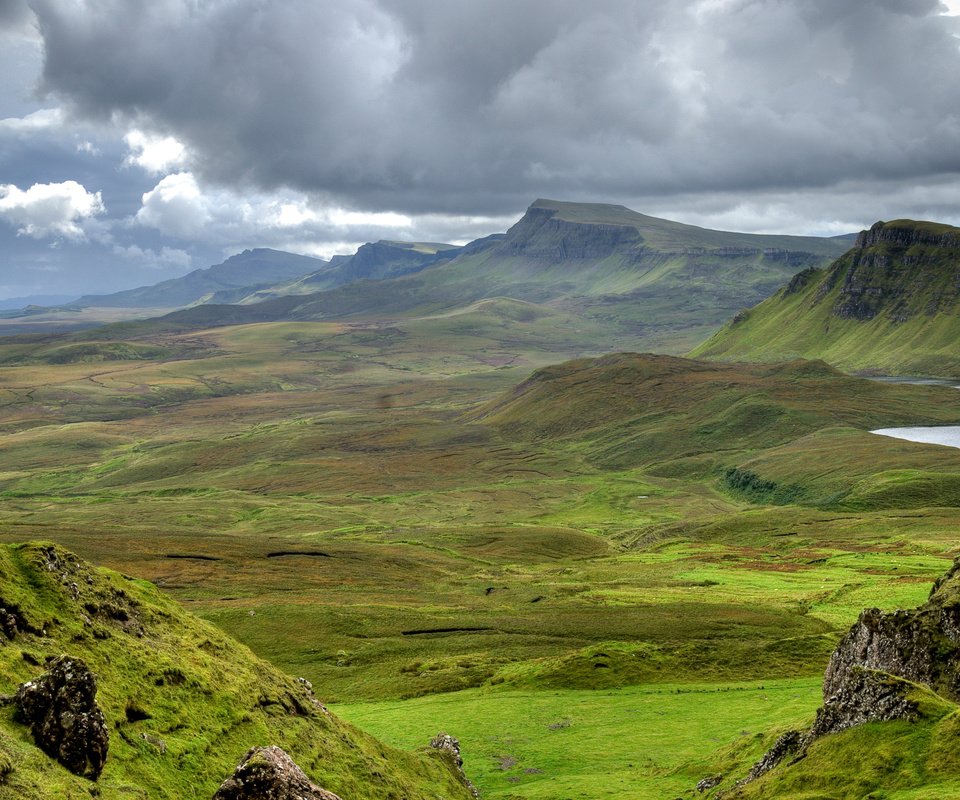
609,575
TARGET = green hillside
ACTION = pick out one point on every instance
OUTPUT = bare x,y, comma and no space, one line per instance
889,306
647,282
183,702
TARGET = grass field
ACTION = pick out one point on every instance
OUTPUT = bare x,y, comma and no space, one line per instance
390,511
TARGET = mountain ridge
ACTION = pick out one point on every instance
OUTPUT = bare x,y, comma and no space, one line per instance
889,305
649,282
249,269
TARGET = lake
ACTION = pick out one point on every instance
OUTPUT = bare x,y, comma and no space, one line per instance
948,435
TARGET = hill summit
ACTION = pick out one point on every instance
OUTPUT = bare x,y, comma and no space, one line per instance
889,305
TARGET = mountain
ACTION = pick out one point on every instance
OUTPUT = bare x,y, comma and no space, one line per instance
379,260
171,701
647,281
889,306
15,303
246,271
372,261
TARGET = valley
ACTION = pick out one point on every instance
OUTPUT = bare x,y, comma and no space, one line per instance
609,574
392,512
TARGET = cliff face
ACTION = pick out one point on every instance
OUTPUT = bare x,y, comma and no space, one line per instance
542,235
890,305
379,260
878,668
899,269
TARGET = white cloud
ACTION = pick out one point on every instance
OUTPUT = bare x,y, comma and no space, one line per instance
49,209
176,207
155,154
43,119
155,259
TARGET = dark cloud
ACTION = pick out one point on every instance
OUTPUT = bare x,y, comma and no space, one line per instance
429,106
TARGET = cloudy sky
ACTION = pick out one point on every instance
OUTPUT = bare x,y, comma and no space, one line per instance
140,139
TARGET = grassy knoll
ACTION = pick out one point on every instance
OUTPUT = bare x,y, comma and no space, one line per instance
393,512
182,701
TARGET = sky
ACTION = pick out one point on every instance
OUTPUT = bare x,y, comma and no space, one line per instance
140,139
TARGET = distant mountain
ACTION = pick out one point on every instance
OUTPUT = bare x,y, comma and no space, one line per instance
891,305
15,303
650,282
373,261
245,271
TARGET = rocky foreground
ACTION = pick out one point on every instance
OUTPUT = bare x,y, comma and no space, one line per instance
878,673
110,689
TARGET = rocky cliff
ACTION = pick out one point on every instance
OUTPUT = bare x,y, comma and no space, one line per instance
880,669
379,260
891,304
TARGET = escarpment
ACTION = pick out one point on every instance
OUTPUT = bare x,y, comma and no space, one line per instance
890,305
878,668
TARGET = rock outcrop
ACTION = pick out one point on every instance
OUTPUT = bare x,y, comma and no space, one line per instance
877,667
60,708
268,773
449,748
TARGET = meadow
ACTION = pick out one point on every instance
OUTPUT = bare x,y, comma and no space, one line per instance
609,579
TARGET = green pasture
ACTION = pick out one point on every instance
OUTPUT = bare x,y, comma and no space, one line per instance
437,535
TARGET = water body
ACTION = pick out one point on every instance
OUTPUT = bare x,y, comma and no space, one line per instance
948,435
917,381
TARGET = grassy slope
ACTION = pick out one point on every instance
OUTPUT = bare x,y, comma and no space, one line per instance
915,332
183,702
352,450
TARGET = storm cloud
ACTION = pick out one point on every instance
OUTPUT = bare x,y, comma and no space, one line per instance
423,106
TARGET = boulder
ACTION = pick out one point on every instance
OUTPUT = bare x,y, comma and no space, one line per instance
60,708
268,773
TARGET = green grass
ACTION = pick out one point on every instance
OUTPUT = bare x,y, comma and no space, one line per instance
392,511
634,743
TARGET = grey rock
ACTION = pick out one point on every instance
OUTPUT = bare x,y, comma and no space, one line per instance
878,664
449,748
60,708
268,773
709,783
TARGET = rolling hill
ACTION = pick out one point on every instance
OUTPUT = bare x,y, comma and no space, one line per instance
889,306
796,432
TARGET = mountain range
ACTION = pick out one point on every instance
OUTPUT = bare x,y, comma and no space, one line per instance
646,282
